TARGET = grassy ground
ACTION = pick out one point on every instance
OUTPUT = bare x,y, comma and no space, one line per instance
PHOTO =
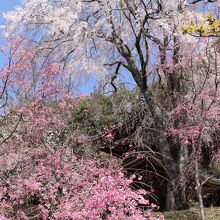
212,213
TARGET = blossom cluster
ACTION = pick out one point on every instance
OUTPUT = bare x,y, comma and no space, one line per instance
60,186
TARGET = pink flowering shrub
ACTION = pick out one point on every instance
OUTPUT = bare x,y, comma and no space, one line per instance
43,176
198,128
67,187
47,168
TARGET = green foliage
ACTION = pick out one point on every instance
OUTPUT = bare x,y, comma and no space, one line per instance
93,114
209,27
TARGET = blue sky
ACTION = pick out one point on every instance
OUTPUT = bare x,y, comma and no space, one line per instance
7,5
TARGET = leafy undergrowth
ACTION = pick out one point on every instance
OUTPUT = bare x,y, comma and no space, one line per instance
212,213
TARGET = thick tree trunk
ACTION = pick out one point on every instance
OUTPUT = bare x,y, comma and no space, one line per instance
176,197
